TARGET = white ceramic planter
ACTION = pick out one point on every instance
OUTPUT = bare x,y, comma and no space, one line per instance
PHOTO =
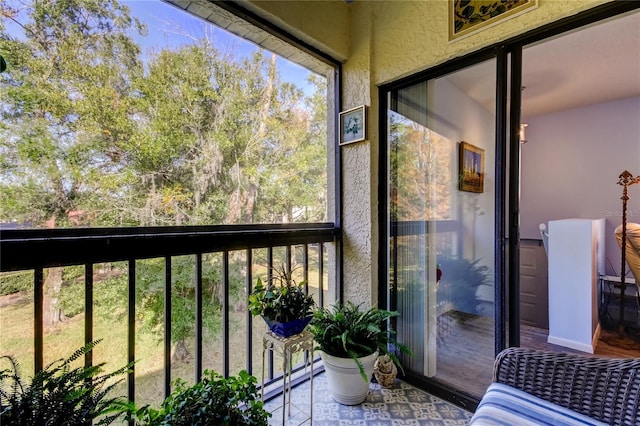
346,385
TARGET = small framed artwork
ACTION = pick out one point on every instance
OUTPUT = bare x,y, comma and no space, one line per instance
469,16
353,125
471,168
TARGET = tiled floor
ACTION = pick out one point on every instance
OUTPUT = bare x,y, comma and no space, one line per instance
401,405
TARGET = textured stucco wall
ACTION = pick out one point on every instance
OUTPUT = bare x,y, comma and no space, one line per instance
359,175
410,36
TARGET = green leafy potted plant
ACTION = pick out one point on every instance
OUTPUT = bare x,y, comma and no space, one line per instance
214,400
351,338
282,303
61,395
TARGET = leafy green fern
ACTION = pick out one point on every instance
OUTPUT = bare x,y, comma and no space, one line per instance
347,331
61,395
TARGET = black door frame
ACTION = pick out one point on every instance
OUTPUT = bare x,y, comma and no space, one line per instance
508,55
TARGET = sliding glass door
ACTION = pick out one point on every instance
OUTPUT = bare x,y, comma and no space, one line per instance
450,171
441,224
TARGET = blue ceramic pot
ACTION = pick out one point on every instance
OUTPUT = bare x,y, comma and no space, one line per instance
287,329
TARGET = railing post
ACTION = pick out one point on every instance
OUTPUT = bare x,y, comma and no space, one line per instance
269,280
88,311
225,313
249,320
198,285
38,331
305,279
131,330
305,267
167,326
320,275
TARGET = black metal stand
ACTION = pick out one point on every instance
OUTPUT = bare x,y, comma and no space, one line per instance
625,179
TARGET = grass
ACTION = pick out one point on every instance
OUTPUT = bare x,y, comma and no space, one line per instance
16,338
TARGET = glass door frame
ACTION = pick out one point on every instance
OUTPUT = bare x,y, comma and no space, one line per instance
386,299
508,56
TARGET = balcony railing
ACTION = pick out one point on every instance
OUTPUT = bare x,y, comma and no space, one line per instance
37,249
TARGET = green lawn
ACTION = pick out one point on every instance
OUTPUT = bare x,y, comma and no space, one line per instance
110,325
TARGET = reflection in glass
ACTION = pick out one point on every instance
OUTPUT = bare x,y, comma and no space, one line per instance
441,240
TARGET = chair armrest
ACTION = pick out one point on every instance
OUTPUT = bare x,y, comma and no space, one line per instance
606,389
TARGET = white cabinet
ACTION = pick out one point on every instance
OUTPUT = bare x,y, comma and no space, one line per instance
576,254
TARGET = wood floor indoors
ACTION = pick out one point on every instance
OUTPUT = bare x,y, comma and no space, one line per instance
465,354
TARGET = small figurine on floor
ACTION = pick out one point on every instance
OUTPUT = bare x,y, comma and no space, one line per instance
385,371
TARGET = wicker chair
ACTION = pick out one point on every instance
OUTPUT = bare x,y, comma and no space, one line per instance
605,389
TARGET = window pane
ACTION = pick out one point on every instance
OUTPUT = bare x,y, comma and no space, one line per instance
164,119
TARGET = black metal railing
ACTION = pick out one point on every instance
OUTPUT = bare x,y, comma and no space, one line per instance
38,249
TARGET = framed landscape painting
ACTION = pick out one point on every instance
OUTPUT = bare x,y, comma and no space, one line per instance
468,16
471,168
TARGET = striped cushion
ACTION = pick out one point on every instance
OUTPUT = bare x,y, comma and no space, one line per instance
504,405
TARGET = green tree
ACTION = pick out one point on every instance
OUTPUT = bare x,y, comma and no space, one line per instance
240,136
150,294
75,59
93,135
292,175
64,105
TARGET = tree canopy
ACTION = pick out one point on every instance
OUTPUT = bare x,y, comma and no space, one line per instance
96,132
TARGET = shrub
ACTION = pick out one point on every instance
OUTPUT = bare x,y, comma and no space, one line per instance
212,401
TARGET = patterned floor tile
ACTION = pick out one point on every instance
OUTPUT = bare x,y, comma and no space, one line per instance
403,405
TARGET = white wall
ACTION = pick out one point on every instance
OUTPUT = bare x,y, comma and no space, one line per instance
573,275
570,168
463,119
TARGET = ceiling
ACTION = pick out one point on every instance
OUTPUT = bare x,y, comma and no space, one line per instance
595,64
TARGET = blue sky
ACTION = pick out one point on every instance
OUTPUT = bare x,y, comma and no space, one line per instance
162,19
